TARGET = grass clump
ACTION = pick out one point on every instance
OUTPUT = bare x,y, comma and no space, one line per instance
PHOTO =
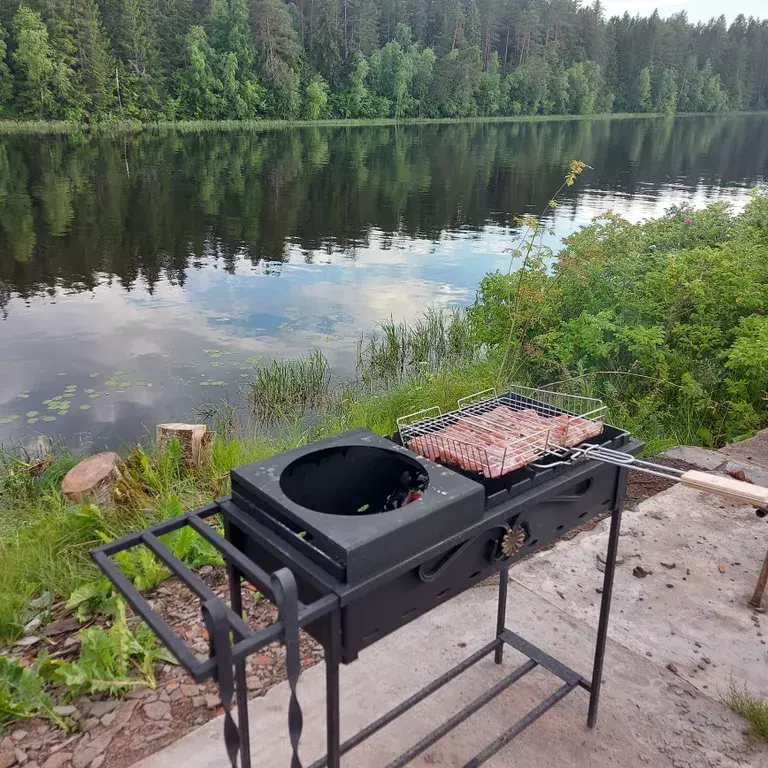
396,352
281,387
751,708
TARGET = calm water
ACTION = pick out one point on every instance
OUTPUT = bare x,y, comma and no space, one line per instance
143,275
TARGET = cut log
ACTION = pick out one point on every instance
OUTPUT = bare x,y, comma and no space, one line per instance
195,441
93,480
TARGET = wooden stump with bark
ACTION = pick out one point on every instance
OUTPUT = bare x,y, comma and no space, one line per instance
93,480
195,441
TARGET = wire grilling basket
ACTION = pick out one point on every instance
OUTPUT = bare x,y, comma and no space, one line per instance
493,434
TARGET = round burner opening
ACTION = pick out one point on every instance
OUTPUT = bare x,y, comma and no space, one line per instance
354,480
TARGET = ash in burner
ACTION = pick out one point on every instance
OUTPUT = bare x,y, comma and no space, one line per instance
408,489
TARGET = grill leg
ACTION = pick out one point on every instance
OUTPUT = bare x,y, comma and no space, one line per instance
501,615
605,611
333,717
241,691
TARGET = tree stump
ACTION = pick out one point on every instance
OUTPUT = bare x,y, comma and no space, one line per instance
93,480
195,441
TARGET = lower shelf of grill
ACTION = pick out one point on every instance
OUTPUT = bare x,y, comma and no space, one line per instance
536,658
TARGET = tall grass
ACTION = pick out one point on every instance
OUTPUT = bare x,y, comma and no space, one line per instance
396,352
282,387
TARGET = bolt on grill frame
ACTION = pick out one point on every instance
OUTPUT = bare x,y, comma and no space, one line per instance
226,663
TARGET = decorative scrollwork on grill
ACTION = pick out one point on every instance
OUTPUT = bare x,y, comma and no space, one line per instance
512,541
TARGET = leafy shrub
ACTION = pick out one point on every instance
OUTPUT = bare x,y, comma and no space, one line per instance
665,319
110,661
22,694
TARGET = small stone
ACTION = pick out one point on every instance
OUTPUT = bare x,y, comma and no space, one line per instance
157,710
253,683
108,719
91,723
19,734
163,696
41,602
138,693
706,659
65,711
639,572
198,701
27,642
670,586
101,708
672,668
60,626
697,643
58,760
176,695
212,701
648,653
669,565
190,690
21,756
206,570
32,626
7,756
98,762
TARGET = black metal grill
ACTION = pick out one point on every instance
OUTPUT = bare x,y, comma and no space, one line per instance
355,536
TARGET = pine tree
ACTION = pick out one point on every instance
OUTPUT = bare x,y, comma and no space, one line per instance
278,50
666,93
6,84
641,92
93,61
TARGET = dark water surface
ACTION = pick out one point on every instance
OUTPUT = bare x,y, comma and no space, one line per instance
143,275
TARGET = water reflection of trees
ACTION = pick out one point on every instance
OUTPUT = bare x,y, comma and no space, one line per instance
144,207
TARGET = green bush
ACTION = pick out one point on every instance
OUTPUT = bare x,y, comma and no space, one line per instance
665,319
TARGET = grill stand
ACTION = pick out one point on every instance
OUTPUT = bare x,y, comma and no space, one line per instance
226,664
536,657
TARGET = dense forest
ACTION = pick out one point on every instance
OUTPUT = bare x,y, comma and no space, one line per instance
95,60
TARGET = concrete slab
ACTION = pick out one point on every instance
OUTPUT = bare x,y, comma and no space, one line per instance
699,457
650,715
753,451
700,534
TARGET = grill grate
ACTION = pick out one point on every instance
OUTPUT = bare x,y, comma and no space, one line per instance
495,434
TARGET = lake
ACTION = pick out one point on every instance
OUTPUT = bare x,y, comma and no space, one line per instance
143,275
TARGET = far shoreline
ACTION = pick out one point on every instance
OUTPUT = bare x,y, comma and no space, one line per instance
42,127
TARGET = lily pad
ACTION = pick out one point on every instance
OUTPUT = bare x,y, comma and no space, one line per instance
32,421
69,394
32,414
124,384
9,418
89,391
70,388
216,363
23,395
94,375
85,407
111,382
143,383
94,395
49,418
57,398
